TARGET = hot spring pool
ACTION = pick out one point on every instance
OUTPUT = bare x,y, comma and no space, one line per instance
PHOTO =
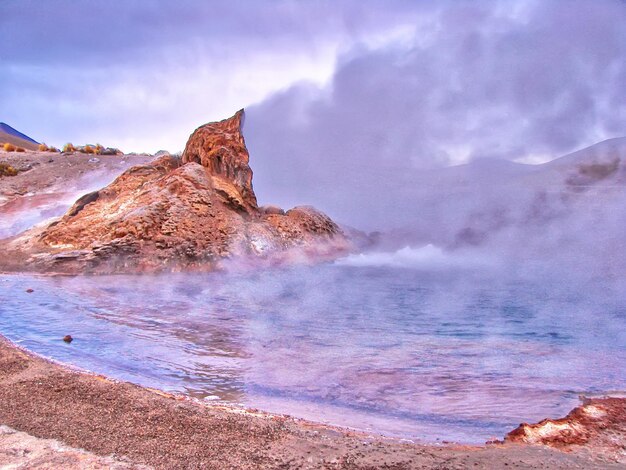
454,354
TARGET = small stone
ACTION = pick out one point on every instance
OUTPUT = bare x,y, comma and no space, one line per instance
30,291
68,338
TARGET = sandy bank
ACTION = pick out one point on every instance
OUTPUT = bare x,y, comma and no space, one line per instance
123,421
19,450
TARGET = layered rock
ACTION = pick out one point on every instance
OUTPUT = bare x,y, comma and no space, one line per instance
598,426
174,214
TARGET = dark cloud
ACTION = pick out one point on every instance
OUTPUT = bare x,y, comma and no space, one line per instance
123,31
495,79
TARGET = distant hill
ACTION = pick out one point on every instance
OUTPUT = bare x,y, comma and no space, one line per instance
492,203
15,137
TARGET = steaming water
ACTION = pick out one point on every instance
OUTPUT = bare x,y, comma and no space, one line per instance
456,354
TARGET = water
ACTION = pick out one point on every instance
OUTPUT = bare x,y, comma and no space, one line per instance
429,354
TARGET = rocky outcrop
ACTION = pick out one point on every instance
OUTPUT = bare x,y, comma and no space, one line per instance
598,426
220,147
174,214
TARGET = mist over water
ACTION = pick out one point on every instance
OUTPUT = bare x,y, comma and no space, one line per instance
459,352
493,294
500,300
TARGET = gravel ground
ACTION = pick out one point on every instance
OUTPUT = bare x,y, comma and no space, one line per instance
131,425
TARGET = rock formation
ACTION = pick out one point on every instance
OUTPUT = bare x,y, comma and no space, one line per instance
598,426
219,146
174,215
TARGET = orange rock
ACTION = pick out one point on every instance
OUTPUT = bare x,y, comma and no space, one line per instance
598,425
179,215
220,147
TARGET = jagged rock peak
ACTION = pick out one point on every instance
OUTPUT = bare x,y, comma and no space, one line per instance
220,147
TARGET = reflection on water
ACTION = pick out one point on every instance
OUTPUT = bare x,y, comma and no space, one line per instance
448,354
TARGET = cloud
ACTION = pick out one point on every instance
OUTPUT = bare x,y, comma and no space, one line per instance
127,31
142,75
524,80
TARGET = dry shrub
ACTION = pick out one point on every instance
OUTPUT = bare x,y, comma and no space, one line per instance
53,149
99,149
69,148
43,147
7,170
599,171
590,173
20,149
9,147
88,149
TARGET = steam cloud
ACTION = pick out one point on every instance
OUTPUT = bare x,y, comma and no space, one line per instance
529,81
24,212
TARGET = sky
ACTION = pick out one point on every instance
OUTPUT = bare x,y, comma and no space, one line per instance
338,94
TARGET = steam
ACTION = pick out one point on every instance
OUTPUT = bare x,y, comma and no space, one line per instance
568,214
429,257
514,81
448,353
34,209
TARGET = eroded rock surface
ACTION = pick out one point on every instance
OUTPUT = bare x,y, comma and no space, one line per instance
174,214
220,147
598,426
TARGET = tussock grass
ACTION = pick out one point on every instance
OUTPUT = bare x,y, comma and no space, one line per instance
89,149
7,170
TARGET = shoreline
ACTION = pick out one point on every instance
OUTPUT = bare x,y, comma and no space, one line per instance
419,427
293,413
50,400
